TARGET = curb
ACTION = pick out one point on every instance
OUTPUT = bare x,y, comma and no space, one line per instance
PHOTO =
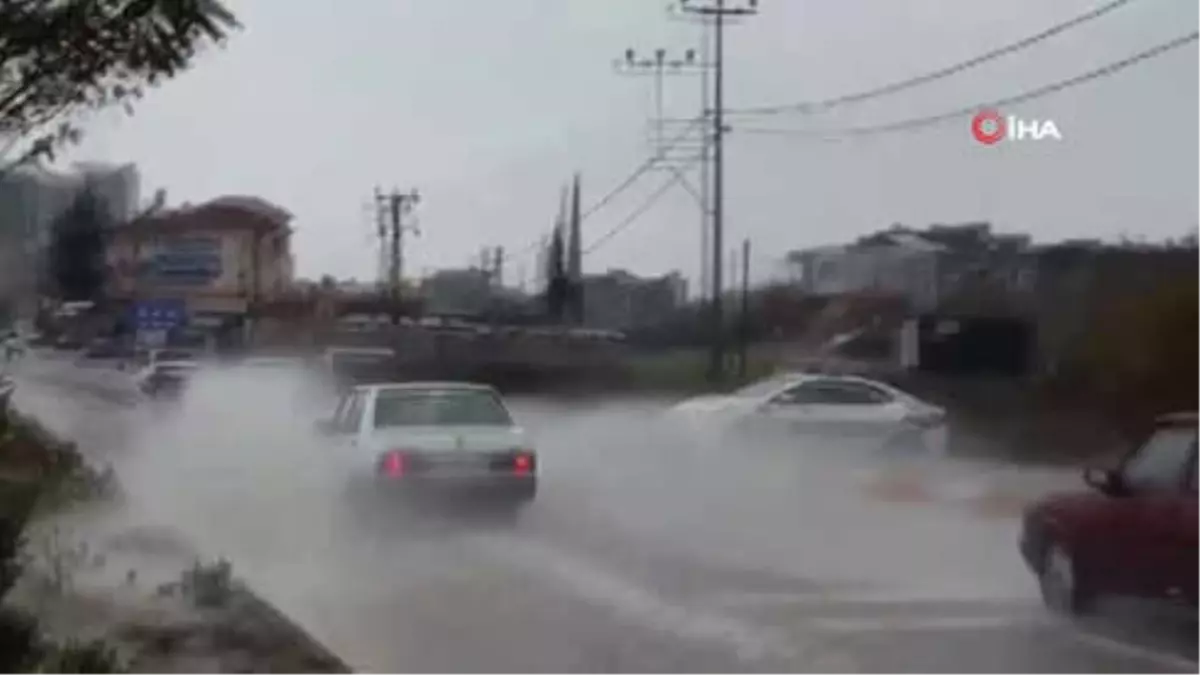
317,657
325,660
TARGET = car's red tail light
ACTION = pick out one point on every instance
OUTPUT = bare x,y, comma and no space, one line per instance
522,464
393,464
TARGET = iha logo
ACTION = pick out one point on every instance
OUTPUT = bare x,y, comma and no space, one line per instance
989,127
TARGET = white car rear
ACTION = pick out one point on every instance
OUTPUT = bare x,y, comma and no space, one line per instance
430,437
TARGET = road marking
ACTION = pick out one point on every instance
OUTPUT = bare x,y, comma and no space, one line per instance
925,623
1127,649
750,642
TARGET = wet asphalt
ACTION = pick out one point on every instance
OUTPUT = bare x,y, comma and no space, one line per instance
643,552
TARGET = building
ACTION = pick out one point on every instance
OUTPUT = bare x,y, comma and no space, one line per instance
224,260
32,198
119,188
926,267
458,291
618,300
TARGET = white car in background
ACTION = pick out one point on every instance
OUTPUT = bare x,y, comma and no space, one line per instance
834,408
431,439
165,379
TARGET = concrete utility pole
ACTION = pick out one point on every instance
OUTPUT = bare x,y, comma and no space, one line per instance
719,11
380,217
658,66
705,164
744,326
396,205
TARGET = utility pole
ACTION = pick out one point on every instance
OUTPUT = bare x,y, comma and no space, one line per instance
498,266
381,232
658,66
744,326
396,205
719,10
705,165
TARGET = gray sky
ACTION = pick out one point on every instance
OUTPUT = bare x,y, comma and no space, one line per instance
488,106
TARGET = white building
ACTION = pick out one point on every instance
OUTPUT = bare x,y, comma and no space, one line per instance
31,200
923,266
905,266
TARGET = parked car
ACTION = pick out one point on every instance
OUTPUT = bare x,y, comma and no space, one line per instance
838,408
165,379
1133,533
346,367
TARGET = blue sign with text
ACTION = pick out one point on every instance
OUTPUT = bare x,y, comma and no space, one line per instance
185,261
159,314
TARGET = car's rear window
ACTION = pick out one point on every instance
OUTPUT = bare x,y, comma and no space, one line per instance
405,408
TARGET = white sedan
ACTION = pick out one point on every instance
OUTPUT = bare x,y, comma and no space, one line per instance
833,407
432,438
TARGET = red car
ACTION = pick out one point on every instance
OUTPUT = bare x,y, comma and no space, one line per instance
1134,533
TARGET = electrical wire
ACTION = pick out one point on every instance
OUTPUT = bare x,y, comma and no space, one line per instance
812,107
624,185
641,169
637,213
930,120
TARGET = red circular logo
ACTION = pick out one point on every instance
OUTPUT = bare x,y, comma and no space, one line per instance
988,127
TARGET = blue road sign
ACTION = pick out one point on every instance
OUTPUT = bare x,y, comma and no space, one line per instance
159,314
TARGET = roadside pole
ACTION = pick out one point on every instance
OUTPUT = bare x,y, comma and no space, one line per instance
744,326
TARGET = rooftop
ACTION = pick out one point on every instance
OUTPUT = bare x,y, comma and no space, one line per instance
263,215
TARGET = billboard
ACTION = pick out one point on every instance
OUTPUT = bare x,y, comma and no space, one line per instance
185,261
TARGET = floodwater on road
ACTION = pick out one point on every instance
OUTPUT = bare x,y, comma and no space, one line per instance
647,550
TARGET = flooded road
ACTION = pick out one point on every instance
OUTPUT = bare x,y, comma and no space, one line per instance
643,552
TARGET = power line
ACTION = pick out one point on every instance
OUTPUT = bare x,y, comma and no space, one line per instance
624,185
637,213
811,107
930,120
641,170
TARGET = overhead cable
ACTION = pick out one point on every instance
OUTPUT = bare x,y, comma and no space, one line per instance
820,106
841,133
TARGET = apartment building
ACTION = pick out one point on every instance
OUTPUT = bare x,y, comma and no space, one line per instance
223,259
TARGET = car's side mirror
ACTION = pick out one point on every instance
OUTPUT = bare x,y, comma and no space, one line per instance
1104,480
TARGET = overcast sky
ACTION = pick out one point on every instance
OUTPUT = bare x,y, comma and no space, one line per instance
488,106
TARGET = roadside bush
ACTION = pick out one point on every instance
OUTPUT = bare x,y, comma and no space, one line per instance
80,657
37,471
1141,358
19,638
